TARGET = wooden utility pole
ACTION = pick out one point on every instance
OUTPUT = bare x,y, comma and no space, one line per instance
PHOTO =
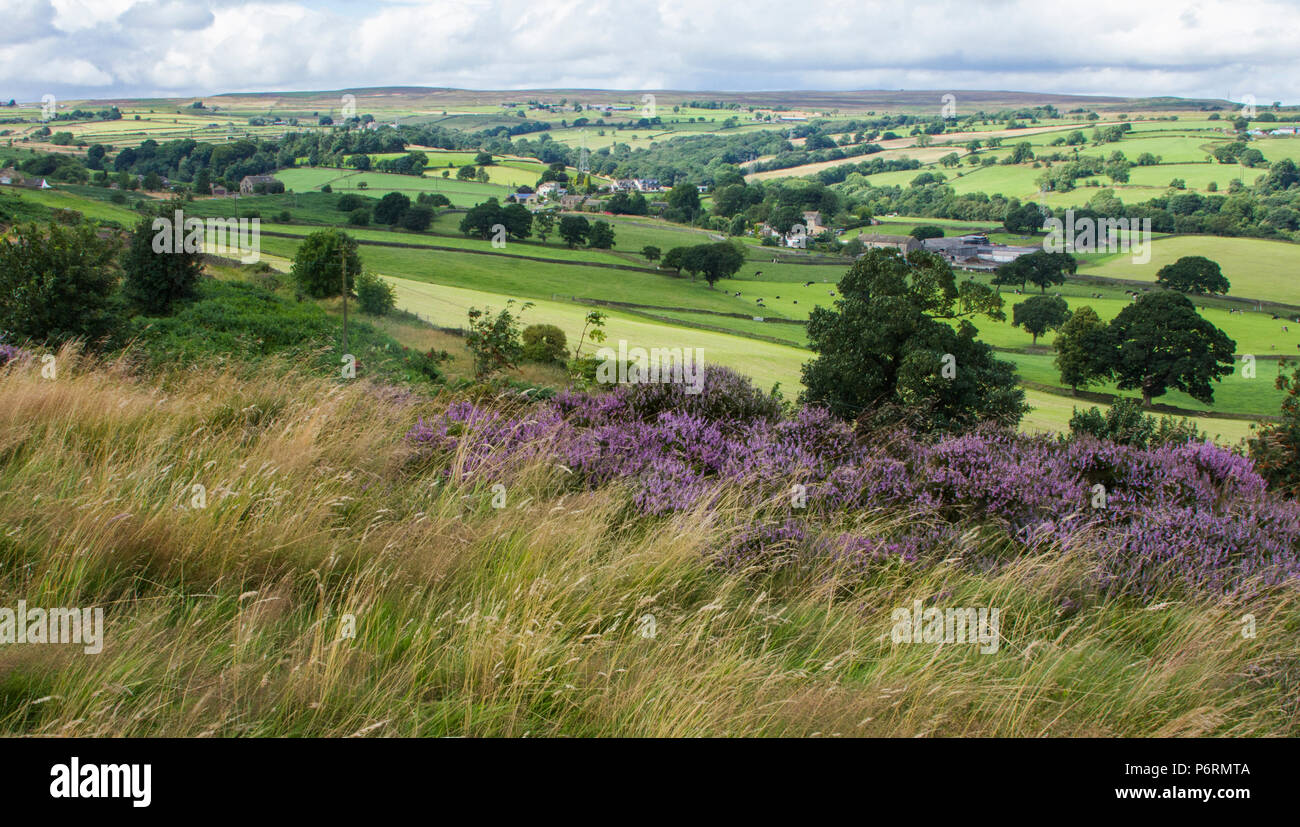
343,268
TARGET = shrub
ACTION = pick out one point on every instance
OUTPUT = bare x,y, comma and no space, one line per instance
375,295
359,217
726,397
544,343
1126,424
425,363
350,202
417,218
154,281
318,262
1276,447
58,283
1192,517
494,340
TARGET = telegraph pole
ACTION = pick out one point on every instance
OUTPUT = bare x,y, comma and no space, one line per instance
343,268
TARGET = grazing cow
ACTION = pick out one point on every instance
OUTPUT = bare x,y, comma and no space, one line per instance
757,274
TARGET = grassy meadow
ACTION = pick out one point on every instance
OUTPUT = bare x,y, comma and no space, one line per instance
331,586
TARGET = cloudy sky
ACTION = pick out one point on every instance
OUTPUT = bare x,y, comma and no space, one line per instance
135,48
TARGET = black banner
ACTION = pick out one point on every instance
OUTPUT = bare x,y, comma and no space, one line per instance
145,778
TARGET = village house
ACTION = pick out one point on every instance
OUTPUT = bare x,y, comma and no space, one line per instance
250,183
551,189
572,202
812,219
524,198
217,189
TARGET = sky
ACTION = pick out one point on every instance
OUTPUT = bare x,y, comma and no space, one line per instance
1134,48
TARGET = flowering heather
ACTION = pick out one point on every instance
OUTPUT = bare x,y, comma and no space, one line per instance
9,353
1190,515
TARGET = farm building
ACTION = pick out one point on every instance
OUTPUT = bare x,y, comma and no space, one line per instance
902,243
974,252
252,182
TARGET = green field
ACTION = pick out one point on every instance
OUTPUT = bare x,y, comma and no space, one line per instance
93,209
1257,268
765,362
460,193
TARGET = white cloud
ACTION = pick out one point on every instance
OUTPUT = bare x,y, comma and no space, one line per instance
27,20
1211,48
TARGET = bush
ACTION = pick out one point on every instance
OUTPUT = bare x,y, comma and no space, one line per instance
350,202
359,217
544,343
241,320
726,397
425,364
494,340
417,218
1126,424
154,281
316,265
58,283
1276,447
375,295
268,280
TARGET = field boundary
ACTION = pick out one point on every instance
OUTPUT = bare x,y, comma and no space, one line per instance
1170,410
440,248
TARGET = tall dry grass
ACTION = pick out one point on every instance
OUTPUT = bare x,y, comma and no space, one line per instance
229,619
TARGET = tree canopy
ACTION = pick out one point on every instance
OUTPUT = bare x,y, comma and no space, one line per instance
1193,274
887,345
318,264
1161,342
1039,314
1083,349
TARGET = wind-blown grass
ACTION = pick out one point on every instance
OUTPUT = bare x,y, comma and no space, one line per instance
526,619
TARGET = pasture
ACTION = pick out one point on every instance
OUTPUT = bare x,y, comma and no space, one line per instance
460,193
1257,268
